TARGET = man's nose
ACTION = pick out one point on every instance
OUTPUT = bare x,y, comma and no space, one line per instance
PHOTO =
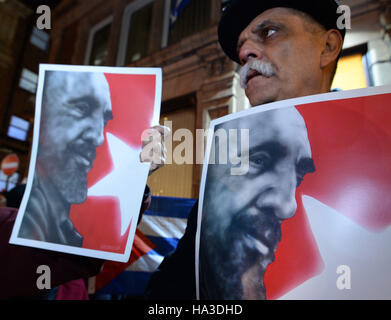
94,134
249,50
280,199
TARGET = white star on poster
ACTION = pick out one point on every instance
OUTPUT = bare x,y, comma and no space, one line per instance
341,241
128,171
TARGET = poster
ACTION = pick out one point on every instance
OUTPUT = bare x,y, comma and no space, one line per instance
295,200
86,182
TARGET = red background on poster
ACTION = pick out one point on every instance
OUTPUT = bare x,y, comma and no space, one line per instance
98,218
351,147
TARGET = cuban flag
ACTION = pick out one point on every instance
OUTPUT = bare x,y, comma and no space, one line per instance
161,227
177,8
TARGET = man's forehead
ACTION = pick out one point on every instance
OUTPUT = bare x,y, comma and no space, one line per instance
279,15
85,80
275,118
80,84
284,126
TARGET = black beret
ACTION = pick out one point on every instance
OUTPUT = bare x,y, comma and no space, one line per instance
239,13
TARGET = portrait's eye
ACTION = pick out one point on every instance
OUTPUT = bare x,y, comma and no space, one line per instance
79,108
260,161
83,107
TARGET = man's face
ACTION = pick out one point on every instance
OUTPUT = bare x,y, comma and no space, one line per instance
243,214
76,108
290,47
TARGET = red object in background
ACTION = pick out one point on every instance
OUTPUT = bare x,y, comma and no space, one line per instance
10,164
351,147
98,219
111,269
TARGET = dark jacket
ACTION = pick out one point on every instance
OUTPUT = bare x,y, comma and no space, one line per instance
175,277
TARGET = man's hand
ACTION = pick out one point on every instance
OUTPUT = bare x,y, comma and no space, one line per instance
154,149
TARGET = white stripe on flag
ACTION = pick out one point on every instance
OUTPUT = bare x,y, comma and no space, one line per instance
147,263
164,227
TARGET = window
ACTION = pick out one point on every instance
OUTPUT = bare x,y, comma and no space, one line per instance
137,24
18,128
194,18
40,39
224,4
98,41
136,27
351,72
28,81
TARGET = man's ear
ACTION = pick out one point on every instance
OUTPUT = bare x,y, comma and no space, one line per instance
332,47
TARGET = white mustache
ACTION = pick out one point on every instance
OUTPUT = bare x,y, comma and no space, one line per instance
264,68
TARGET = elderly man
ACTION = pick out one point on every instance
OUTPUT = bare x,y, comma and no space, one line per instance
286,49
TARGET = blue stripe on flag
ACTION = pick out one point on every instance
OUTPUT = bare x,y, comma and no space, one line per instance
170,207
164,246
135,282
177,8
128,282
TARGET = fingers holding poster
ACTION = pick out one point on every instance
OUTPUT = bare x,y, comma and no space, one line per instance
86,181
309,203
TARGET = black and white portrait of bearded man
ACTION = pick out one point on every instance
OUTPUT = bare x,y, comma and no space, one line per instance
242,214
76,107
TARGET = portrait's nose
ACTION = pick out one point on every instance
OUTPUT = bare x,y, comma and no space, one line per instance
280,198
249,50
94,134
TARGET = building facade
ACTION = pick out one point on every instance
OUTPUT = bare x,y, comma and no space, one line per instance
22,47
199,82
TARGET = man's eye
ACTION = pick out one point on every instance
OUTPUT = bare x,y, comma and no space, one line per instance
270,32
79,108
82,106
260,161
267,33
